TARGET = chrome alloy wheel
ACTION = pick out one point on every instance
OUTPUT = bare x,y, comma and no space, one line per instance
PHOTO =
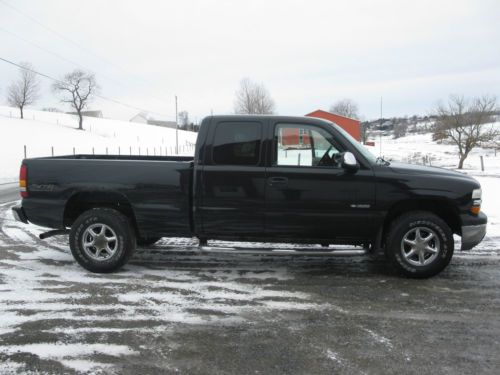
420,246
99,242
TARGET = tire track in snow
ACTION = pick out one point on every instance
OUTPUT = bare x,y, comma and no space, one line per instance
46,295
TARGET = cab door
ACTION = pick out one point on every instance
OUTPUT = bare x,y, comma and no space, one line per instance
309,195
233,179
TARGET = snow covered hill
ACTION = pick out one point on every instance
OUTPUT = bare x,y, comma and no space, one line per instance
41,131
421,149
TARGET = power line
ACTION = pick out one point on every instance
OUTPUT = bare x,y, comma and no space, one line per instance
53,31
30,70
64,58
42,48
78,45
96,95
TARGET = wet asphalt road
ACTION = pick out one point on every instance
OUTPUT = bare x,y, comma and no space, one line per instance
176,309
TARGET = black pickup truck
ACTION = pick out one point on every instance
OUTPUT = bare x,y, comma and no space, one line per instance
255,178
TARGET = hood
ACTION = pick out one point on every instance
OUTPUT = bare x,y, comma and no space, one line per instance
411,169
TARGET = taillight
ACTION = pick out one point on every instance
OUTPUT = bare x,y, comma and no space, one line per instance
23,181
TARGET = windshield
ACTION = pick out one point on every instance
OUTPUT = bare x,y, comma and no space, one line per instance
358,146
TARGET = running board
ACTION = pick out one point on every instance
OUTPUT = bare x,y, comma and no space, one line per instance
52,233
264,251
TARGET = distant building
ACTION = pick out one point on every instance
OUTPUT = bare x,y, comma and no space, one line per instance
97,114
145,118
350,125
141,118
299,138
165,124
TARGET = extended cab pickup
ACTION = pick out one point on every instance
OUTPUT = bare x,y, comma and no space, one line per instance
255,178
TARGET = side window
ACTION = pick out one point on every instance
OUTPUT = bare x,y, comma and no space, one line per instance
304,146
237,143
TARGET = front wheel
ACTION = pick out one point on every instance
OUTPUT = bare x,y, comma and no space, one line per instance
102,240
419,244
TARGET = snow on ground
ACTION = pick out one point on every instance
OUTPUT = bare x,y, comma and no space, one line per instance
42,285
40,131
491,206
417,147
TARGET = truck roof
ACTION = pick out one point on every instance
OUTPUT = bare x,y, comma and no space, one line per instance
310,120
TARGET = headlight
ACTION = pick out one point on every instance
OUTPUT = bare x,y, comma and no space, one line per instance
476,201
477,193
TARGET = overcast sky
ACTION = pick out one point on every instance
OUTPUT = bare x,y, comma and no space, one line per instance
307,53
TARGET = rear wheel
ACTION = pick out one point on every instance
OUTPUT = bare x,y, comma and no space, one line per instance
419,244
102,240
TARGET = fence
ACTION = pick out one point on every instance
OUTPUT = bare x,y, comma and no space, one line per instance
427,159
187,149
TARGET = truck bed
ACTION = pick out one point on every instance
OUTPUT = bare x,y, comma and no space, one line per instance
157,188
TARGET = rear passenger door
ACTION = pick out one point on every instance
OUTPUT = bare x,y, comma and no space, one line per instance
233,179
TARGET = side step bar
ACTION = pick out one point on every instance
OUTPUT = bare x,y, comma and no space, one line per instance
263,251
52,233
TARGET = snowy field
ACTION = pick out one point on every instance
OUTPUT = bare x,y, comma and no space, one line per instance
40,131
420,149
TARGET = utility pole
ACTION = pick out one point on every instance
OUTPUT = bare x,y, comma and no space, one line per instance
380,130
176,129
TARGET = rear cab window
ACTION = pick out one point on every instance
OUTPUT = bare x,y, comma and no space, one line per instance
237,143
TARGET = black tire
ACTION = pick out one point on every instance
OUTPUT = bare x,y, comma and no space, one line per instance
413,257
147,241
118,226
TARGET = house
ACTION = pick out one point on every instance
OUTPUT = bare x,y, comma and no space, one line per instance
97,114
145,118
165,124
141,118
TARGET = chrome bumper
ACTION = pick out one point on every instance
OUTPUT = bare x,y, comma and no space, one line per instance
472,235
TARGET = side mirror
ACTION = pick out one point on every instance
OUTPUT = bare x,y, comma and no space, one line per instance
349,161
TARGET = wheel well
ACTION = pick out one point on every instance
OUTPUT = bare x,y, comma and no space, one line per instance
443,209
81,202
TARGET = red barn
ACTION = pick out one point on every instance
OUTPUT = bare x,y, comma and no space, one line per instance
295,138
350,125
299,138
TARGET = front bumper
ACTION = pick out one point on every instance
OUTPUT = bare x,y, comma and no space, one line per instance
19,214
474,231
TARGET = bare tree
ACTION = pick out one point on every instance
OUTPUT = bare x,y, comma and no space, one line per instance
364,131
253,98
345,107
25,90
464,122
77,89
400,128
184,120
